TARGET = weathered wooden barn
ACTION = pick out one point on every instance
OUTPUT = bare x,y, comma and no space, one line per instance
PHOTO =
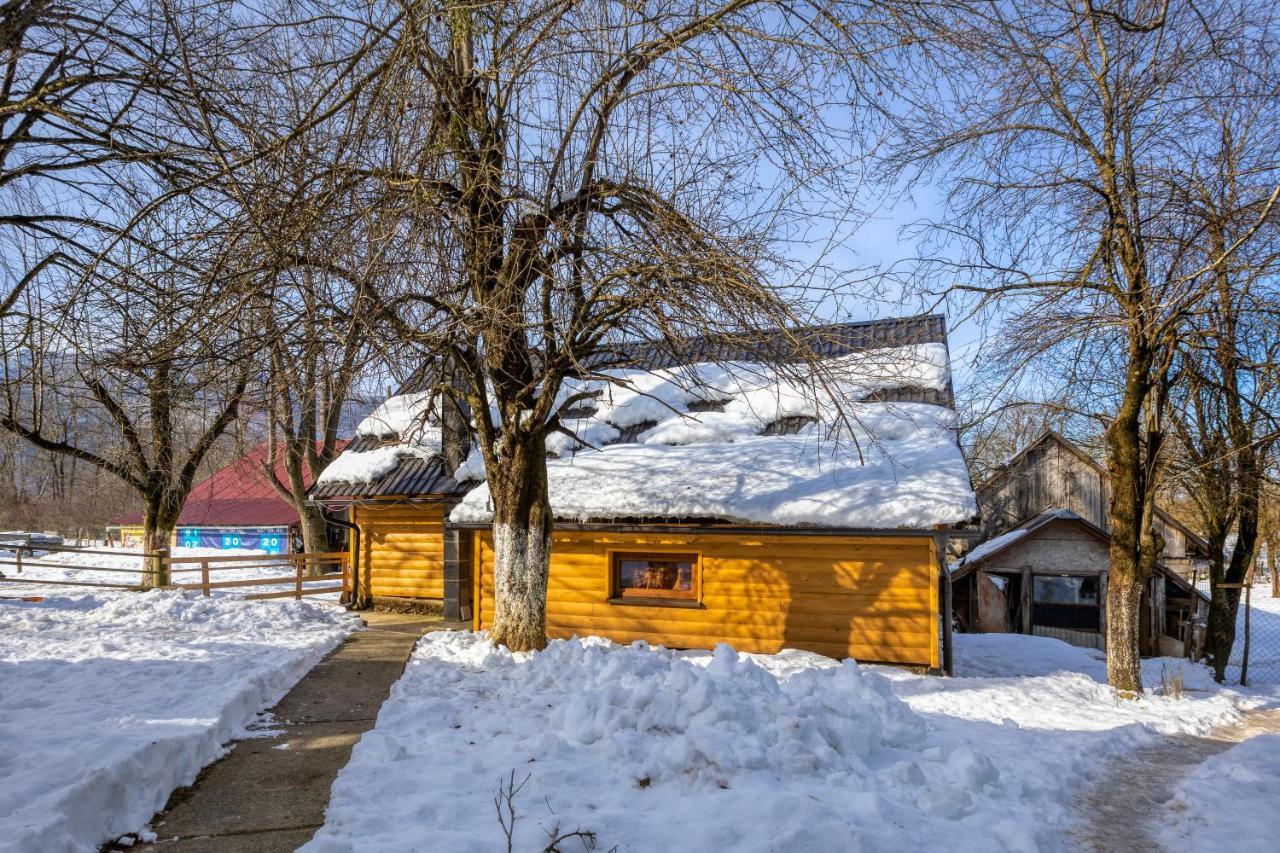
1042,565
703,503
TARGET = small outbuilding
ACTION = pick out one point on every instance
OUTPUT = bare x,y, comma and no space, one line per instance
726,500
236,507
1042,568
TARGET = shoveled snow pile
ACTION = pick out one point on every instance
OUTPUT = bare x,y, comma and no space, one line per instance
1231,796
109,702
702,450
655,750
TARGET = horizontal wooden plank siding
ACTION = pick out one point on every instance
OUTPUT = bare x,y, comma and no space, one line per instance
402,549
871,598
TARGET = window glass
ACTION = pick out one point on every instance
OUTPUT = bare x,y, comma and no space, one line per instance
654,575
1081,591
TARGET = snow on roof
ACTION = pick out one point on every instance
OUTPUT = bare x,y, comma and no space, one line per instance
916,480
369,466
759,443
403,417
998,543
405,422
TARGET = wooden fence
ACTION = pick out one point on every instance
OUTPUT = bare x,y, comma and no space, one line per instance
25,558
306,569
303,574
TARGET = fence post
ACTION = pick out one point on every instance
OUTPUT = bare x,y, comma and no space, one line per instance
299,562
1244,660
18,555
204,577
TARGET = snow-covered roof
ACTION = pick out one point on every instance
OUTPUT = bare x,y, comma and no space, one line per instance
996,544
858,440
400,430
760,444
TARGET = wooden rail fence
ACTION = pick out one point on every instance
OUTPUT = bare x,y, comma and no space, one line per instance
307,569
303,574
12,568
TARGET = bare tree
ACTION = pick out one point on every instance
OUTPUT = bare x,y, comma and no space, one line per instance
1227,408
1059,131
152,346
80,96
568,176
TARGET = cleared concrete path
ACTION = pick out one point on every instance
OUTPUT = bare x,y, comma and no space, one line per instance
1123,805
270,793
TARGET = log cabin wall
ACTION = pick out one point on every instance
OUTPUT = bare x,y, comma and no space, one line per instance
870,598
402,550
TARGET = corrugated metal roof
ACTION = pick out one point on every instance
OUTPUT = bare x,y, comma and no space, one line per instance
411,477
829,340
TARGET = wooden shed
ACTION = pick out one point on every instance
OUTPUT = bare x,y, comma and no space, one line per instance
1054,473
710,503
401,549
1042,564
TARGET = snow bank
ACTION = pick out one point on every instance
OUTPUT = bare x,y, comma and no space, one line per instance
649,748
1232,795
911,474
110,702
656,750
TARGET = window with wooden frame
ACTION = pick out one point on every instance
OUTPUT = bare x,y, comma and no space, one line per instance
653,577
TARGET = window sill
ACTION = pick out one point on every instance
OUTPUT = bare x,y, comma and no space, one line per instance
688,604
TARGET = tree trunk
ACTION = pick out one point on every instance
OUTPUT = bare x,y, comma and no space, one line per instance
522,544
1134,549
315,534
1221,634
1124,620
159,521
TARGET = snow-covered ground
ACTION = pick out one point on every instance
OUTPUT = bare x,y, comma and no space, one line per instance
654,750
110,701
80,568
1232,795
1264,645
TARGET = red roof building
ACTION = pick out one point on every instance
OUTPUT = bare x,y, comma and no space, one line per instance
238,495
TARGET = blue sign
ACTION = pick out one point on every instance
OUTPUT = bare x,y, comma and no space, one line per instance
271,540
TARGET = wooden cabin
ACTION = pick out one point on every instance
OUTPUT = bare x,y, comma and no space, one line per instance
704,503
1042,565
868,596
404,557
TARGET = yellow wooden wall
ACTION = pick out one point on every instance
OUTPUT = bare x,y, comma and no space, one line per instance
402,549
870,598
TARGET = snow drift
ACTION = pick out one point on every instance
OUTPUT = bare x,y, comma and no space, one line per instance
109,702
